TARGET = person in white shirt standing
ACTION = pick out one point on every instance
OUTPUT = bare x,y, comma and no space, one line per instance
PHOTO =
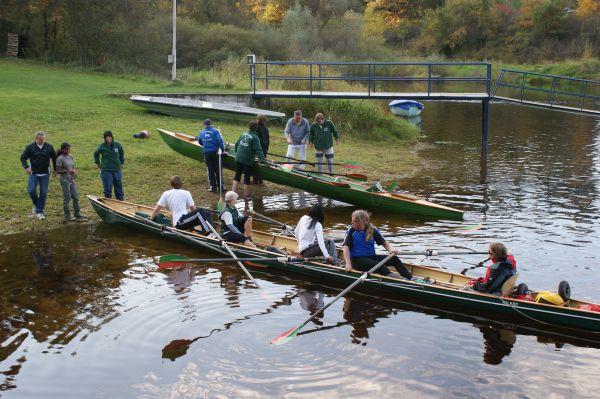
309,233
184,213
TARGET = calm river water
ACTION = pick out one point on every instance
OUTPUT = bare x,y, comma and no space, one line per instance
85,313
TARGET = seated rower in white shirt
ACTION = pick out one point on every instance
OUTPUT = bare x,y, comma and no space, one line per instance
309,233
185,214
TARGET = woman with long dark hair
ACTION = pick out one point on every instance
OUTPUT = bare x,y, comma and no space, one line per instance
309,233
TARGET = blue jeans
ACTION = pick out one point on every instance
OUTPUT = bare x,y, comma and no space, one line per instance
38,201
110,179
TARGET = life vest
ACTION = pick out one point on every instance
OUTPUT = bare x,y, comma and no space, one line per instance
235,215
497,274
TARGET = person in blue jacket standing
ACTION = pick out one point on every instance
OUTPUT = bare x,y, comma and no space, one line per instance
211,140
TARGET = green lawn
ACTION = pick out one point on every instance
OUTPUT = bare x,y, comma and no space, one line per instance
78,106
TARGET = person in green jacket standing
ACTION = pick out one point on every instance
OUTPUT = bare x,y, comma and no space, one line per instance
247,149
321,136
110,157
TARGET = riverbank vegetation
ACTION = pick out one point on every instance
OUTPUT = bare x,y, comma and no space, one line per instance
136,35
77,106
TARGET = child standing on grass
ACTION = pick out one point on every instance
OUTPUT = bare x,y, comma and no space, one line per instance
65,167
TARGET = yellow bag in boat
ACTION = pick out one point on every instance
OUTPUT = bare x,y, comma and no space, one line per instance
549,297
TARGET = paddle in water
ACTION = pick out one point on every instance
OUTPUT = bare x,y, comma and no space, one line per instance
290,334
173,260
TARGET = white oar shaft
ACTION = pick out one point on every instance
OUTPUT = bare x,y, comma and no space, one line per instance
359,280
228,249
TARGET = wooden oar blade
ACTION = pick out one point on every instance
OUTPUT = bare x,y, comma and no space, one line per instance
285,337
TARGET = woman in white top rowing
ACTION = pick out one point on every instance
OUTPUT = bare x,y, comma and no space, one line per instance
309,233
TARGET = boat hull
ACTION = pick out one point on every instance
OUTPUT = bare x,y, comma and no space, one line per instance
328,186
406,108
446,291
195,109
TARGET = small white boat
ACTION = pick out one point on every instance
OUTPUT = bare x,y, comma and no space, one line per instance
406,107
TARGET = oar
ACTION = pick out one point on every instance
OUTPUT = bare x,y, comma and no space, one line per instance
433,252
347,164
480,264
414,233
354,176
267,219
173,260
290,334
220,203
240,264
462,228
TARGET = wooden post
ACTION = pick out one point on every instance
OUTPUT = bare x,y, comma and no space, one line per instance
12,50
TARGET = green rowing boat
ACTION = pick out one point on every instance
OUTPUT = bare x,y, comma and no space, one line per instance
339,188
436,286
197,109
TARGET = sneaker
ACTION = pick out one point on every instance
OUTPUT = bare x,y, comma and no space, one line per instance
41,216
32,213
69,219
80,217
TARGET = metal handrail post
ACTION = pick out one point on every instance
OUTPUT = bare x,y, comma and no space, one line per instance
266,76
310,81
369,80
429,79
319,85
523,85
489,79
253,78
583,95
374,78
552,91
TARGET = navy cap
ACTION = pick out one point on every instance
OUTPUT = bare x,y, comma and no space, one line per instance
207,122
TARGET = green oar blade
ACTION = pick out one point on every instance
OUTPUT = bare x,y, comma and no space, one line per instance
357,176
171,261
351,164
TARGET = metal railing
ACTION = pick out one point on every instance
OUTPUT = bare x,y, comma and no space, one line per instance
549,91
368,77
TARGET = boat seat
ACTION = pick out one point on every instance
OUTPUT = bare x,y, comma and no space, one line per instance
509,285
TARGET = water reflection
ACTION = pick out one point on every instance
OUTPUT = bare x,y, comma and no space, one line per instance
498,342
58,292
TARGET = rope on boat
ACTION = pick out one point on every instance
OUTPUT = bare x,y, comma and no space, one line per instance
547,323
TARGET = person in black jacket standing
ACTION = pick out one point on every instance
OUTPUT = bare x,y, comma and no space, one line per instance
39,153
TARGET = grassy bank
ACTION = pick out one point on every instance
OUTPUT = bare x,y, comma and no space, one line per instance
77,106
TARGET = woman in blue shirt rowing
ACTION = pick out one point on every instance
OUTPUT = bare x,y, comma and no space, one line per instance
359,248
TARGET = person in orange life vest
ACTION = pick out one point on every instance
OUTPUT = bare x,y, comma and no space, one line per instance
503,266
